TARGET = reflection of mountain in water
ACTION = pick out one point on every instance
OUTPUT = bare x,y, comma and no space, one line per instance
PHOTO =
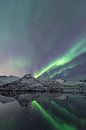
44,113
25,99
50,102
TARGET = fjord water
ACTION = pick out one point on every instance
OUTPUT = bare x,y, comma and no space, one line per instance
44,114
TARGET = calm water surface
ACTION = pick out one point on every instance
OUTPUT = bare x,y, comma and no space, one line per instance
44,114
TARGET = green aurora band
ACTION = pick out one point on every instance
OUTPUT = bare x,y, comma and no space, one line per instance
78,49
57,124
62,70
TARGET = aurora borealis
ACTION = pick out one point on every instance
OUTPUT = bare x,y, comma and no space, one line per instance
72,53
57,124
64,119
43,37
68,114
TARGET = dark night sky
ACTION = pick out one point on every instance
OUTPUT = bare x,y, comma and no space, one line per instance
43,36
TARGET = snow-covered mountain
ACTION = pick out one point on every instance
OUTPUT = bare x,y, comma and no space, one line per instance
26,82
7,79
29,84
1,82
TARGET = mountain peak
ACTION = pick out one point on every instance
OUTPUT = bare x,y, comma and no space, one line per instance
27,76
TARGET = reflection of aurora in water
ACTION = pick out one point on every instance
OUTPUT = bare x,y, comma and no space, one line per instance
68,114
56,123
45,114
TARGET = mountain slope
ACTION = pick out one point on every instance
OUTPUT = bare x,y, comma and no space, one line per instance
26,82
7,79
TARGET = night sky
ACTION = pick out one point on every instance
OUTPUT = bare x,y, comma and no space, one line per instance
43,37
